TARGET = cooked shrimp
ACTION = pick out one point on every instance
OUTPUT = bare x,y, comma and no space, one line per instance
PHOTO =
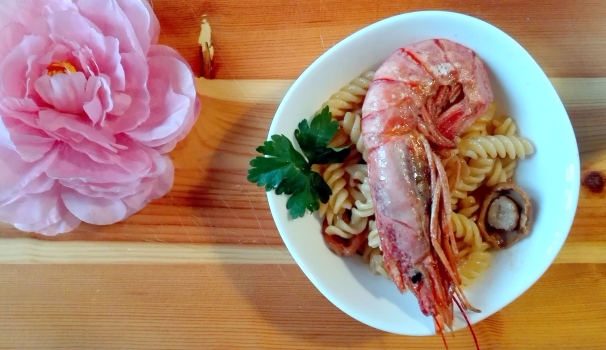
421,99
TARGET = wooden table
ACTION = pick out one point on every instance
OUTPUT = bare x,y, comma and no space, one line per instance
204,267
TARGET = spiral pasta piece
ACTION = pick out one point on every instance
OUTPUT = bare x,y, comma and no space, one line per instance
473,266
352,126
474,257
374,258
350,96
496,146
480,126
502,171
454,166
373,235
509,167
471,177
468,207
477,170
466,230
357,173
506,127
340,140
340,199
363,198
348,224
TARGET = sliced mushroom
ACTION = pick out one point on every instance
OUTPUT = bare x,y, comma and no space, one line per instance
506,216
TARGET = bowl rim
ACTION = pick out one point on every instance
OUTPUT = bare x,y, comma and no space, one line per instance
271,196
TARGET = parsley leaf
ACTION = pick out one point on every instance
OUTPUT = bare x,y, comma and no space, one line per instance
314,138
283,169
316,189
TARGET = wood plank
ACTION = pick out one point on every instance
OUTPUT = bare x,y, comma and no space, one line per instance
278,39
212,202
260,306
34,251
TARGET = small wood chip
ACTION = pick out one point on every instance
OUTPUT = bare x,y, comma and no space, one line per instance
208,50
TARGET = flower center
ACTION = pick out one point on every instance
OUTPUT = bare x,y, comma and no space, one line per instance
62,67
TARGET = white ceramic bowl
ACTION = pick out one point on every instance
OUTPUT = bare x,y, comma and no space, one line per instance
550,176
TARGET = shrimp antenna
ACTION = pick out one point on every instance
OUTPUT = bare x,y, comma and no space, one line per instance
473,334
441,330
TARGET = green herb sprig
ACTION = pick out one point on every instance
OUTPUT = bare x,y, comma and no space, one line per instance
283,169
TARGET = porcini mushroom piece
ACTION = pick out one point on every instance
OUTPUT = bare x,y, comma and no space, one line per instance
503,214
506,215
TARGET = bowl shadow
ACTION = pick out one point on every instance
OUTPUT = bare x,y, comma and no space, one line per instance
280,294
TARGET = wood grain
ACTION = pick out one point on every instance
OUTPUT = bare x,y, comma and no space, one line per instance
278,39
254,306
35,251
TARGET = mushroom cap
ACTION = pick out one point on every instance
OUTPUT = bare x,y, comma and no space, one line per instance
507,234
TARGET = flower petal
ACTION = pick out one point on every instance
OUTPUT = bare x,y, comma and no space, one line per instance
133,158
65,92
70,26
153,187
7,12
121,103
98,97
14,66
165,63
5,137
24,208
10,36
136,72
30,143
63,222
17,174
93,210
174,106
143,20
105,50
168,113
109,16
165,180
73,127
27,12
71,165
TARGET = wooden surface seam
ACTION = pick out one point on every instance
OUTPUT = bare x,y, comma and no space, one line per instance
32,251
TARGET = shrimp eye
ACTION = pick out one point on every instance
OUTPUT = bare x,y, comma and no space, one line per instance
417,278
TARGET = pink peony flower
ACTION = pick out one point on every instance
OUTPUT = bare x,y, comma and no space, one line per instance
89,107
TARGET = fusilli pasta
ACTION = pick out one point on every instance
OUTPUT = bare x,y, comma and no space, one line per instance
374,258
350,96
474,265
345,224
498,145
501,171
466,231
373,235
506,127
340,199
480,126
352,126
468,207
